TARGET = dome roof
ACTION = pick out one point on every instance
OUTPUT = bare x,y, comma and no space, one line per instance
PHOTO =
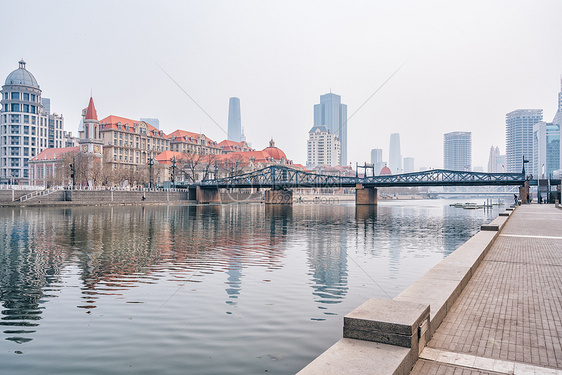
21,76
274,152
385,170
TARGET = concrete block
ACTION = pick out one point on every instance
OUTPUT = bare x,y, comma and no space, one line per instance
490,227
504,213
386,321
354,357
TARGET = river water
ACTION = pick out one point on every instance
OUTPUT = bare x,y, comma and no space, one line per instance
232,289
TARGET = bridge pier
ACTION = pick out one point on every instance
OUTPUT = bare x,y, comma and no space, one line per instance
365,195
208,195
524,193
278,196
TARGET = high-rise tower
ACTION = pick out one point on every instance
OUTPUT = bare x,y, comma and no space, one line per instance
376,160
234,120
519,137
26,129
333,114
457,151
394,154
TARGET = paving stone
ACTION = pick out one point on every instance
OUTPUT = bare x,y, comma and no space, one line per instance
511,309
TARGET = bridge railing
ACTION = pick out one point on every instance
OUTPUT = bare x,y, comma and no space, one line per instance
282,177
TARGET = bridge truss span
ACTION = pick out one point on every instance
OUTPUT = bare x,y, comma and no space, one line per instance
283,177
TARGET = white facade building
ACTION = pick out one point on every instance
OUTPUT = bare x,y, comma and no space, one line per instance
457,151
323,147
519,138
26,129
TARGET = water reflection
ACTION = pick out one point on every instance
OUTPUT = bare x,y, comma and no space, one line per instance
321,261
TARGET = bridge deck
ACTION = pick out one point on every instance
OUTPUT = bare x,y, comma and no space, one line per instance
282,177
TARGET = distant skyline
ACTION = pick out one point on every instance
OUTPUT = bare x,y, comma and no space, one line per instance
466,65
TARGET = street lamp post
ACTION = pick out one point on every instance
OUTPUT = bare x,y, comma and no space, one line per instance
73,172
150,164
524,162
174,172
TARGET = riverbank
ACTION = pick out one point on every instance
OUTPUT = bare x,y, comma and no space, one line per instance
387,336
22,198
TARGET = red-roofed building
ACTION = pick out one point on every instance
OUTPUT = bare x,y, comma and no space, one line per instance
129,143
195,167
228,146
50,167
193,143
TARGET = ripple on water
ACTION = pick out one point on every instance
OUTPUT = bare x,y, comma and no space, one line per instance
232,289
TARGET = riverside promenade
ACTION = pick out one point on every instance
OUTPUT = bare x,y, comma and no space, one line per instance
493,306
508,319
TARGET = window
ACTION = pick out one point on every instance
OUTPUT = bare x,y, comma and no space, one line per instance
15,107
15,119
33,109
33,130
26,141
15,96
6,95
32,97
25,96
26,119
33,120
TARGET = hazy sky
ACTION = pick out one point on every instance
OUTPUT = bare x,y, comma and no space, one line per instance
467,63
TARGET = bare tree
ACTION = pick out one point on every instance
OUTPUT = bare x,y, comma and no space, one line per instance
190,164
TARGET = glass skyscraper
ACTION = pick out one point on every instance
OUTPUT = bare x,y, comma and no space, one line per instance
457,151
333,114
234,120
546,149
519,138
394,154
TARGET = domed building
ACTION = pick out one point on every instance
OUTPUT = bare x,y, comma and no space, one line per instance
26,125
385,171
275,153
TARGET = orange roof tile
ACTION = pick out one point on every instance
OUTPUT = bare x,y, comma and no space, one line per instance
183,133
111,120
167,156
55,153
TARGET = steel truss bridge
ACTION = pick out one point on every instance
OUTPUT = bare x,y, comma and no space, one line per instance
282,177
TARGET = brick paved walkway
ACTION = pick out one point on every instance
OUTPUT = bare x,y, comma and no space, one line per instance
511,310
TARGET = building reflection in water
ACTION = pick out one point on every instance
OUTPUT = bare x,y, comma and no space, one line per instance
327,254
115,248
30,268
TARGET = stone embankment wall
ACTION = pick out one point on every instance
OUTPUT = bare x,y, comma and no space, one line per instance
8,195
107,197
117,197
